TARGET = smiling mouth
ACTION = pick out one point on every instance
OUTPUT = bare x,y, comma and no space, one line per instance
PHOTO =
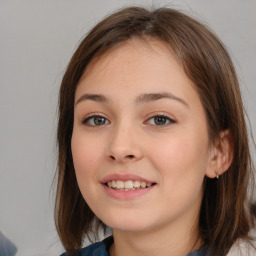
128,185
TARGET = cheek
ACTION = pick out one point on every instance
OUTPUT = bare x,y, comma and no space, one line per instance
181,163
180,158
86,157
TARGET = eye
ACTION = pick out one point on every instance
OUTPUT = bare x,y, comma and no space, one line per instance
95,121
160,120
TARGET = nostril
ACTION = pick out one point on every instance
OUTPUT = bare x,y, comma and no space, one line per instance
121,158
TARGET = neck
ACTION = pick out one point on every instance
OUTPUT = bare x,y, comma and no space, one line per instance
178,239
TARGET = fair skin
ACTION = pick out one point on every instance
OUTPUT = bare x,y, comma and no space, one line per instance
138,117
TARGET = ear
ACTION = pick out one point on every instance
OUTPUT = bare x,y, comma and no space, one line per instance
220,156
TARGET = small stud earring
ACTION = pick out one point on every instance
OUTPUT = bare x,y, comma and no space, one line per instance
217,177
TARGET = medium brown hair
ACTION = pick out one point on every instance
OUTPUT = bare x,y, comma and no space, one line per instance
225,213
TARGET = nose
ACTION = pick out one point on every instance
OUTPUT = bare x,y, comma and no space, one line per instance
124,145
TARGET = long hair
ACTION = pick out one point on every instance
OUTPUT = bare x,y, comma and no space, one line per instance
225,213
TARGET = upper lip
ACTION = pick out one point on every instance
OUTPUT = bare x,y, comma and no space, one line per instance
124,177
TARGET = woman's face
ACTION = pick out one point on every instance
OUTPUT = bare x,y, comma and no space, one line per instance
139,122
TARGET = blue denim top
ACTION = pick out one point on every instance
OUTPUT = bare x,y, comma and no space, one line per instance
102,249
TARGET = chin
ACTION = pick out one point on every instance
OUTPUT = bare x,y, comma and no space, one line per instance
127,223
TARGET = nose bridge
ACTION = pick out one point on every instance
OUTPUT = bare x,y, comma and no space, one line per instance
123,144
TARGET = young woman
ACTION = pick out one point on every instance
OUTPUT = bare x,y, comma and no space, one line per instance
153,142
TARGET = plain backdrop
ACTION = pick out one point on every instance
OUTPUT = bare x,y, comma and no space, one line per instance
37,39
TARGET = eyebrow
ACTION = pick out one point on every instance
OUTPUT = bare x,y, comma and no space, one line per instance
94,97
148,97
143,98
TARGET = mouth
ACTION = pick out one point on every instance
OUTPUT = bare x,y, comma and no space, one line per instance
128,185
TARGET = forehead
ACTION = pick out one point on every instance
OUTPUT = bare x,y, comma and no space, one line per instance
134,68
148,46
137,67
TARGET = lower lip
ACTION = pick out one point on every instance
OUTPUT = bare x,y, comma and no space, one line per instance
126,195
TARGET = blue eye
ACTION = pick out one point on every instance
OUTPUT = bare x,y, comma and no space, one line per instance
160,120
95,121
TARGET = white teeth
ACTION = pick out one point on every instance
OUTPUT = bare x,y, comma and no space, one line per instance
128,185
136,184
119,184
113,185
143,184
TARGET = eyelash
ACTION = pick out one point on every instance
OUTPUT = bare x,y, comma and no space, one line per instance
89,118
168,119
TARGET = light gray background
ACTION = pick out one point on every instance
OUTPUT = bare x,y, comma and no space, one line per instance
37,39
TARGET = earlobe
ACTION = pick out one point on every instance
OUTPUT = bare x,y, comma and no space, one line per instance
221,155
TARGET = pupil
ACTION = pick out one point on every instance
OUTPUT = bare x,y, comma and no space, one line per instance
159,120
99,120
